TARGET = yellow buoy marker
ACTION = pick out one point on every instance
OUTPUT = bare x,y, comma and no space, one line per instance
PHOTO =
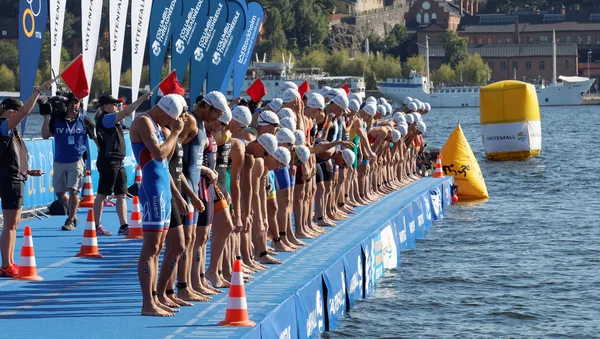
459,161
510,121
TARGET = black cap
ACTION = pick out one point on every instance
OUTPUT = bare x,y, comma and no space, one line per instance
108,100
13,104
71,97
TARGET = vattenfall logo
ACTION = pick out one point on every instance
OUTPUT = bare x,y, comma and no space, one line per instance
138,30
163,28
88,27
501,137
250,33
118,16
58,10
189,27
208,34
28,19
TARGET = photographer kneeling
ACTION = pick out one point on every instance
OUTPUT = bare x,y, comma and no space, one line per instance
65,122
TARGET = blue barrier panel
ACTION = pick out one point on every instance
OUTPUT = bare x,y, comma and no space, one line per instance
411,229
353,265
400,226
254,333
390,252
426,203
378,255
419,217
281,323
39,191
369,271
310,314
335,283
447,199
435,196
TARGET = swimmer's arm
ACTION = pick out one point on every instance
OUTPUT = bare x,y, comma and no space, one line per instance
145,129
128,111
364,141
256,195
167,133
324,146
237,161
174,191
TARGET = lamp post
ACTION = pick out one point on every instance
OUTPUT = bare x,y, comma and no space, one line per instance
589,59
426,46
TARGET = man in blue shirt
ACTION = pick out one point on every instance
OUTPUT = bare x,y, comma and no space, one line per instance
111,153
69,129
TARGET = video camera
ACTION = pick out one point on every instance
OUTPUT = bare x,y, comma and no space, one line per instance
55,106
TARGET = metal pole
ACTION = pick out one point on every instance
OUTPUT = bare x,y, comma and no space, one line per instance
427,50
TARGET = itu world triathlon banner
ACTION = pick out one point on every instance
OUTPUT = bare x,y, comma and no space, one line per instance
216,20
140,19
33,15
243,54
57,21
91,14
229,37
165,15
117,23
186,35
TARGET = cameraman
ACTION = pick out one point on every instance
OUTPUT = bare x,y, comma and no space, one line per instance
69,127
111,153
13,173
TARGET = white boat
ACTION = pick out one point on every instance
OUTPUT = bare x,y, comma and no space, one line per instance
274,74
569,92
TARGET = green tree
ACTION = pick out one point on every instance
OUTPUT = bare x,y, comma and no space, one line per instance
396,41
473,70
126,78
445,74
414,63
313,59
9,55
101,79
381,68
455,48
336,62
7,79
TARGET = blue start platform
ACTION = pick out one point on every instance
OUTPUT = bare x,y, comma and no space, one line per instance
101,298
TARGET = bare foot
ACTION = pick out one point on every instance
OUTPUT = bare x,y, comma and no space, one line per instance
280,247
268,260
165,301
155,311
204,290
164,307
248,277
225,282
187,294
180,302
214,279
303,235
297,242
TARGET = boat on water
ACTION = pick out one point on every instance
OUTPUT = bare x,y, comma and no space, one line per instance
274,74
568,92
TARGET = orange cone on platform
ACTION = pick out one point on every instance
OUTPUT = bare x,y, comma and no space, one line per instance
135,227
89,244
88,191
438,168
237,309
138,176
27,266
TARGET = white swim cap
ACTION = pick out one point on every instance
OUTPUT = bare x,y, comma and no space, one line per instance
226,117
371,99
403,129
303,153
417,116
408,100
300,137
282,155
290,95
341,101
285,136
381,110
268,142
324,90
396,135
399,117
242,115
275,104
267,118
354,105
315,100
370,108
422,127
413,106
427,107
218,101
354,96
172,104
289,123
410,119
348,156
286,113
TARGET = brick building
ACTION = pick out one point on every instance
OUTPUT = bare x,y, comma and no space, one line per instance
529,63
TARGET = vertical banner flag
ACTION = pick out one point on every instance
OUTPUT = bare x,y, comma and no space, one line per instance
216,20
241,59
117,22
57,21
91,14
186,34
140,19
229,38
165,15
32,25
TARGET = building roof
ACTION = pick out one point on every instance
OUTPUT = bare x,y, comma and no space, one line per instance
530,21
508,50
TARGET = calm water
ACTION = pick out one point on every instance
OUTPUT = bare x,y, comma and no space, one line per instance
526,263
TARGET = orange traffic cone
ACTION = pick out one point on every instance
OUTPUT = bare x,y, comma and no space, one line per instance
27,267
88,191
237,309
138,176
89,244
135,228
438,168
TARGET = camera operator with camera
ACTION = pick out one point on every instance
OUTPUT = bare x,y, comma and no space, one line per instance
64,121
111,153
13,173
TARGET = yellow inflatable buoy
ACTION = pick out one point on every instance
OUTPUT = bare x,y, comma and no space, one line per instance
459,161
510,121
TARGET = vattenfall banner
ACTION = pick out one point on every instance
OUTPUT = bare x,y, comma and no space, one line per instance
33,15
57,20
91,14
216,20
229,37
186,35
117,24
165,15
140,19
241,59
